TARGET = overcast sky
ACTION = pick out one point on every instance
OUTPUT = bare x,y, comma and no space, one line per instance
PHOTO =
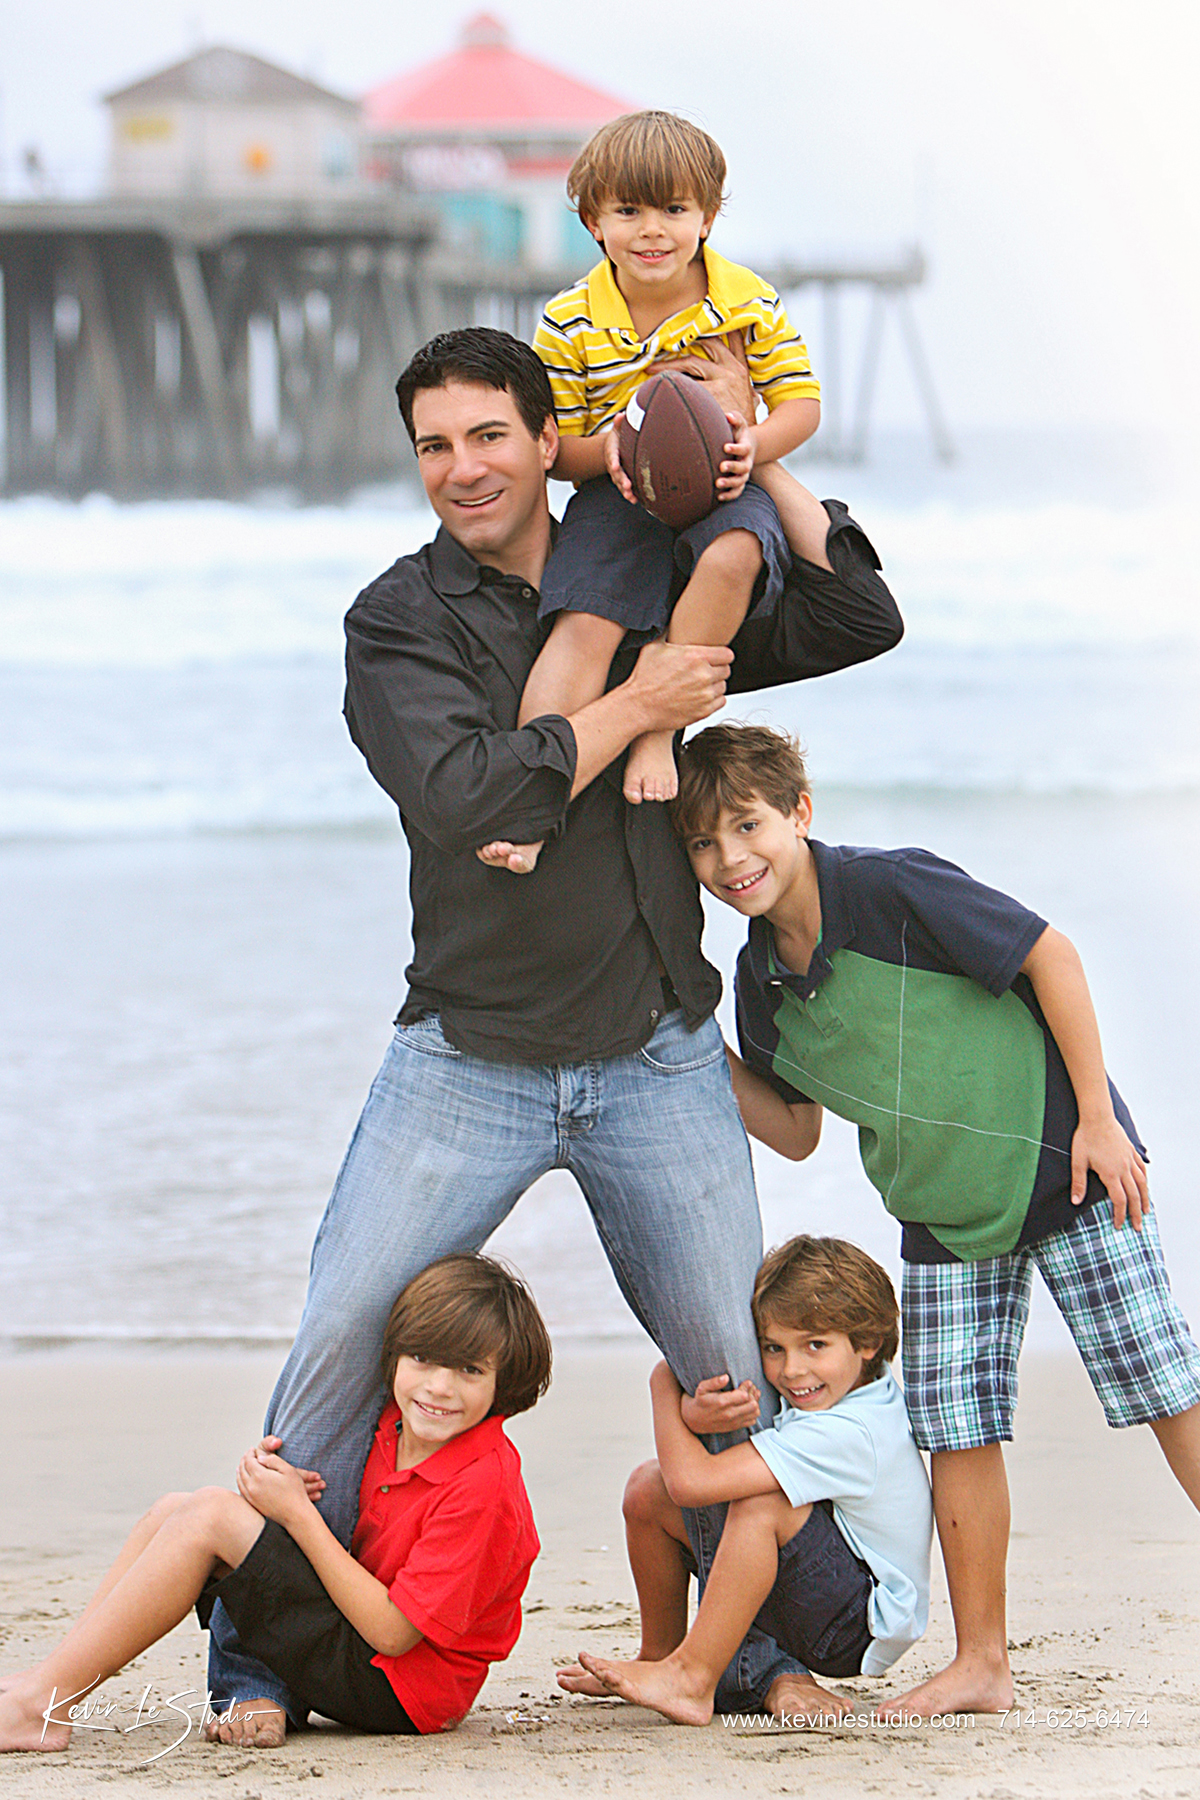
1046,153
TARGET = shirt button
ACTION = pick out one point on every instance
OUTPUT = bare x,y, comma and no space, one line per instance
385,1489
653,1014
527,593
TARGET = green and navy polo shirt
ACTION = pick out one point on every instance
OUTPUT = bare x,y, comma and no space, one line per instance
914,1022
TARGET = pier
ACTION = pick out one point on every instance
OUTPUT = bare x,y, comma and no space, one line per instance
157,346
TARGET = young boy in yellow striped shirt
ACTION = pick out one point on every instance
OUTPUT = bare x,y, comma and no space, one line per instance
648,187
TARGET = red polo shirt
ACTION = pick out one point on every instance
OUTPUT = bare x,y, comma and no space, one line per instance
454,1541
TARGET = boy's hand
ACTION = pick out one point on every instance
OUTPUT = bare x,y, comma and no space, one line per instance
314,1484
272,1486
612,461
710,1409
1103,1146
739,459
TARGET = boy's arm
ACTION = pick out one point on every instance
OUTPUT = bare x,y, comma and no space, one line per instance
784,429
277,1491
793,1131
581,458
1056,974
692,1476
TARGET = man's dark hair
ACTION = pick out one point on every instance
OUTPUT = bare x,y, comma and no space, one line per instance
481,354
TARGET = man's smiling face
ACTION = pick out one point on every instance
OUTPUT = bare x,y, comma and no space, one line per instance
485,474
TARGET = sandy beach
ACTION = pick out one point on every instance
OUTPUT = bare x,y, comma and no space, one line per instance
1104,1583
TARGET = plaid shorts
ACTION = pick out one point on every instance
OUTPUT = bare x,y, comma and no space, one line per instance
963,1325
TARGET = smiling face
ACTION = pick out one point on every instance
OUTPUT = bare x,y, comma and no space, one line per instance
485,473
437,1404
755,857
652,248
812,1370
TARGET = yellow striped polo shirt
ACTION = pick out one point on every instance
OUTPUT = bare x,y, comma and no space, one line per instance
596,360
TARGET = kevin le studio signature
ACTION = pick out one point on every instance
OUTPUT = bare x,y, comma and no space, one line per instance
98,1715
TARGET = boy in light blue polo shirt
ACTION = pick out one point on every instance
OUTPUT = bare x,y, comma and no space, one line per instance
826,1541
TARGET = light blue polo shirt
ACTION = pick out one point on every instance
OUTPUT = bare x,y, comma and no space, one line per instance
860,1455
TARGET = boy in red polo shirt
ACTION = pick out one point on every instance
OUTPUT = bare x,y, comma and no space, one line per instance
397,1635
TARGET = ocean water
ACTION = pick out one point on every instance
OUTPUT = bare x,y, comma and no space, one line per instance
203,917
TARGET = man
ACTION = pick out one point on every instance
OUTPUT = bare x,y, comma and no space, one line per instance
562,1020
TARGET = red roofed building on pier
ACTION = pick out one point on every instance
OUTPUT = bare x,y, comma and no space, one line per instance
487,134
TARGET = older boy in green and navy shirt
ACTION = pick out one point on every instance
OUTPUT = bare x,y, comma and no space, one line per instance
955,1029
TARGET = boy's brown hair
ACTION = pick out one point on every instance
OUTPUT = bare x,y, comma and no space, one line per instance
733,765
471,1309
825,1284
649,159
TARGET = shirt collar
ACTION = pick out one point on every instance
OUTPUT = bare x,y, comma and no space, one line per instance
445,1463
837,930
455,570
729,286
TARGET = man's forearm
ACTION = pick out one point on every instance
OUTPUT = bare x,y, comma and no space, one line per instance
672,685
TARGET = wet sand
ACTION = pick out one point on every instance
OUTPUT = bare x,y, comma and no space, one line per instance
1104,1582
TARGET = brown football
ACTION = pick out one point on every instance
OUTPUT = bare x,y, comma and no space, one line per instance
672,440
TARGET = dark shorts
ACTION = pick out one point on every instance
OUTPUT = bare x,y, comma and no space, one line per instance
817,1610
285,1618
618,562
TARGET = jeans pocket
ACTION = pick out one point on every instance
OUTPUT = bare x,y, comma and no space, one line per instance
425,1035
674,1050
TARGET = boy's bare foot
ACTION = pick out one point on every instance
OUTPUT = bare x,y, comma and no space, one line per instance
250,1724
518,859
650,772
970,1684
664,1686
799,1697
22,1722
576,1680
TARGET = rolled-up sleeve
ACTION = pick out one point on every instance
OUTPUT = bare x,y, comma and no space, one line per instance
825,619
423,718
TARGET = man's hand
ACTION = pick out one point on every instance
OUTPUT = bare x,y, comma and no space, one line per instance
716,1406
314,1484
723,372
272,1486
677,684
612,462
739,459
1105,1147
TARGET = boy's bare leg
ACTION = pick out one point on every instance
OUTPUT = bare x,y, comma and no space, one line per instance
132,1548
1179,1440
683,1684
210,1530
655,1537
710,610
570,673
970,1504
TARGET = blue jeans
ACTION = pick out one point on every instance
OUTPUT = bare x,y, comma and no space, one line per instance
445,1147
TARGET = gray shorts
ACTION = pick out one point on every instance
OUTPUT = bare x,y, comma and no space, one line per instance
816,1612
619,562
